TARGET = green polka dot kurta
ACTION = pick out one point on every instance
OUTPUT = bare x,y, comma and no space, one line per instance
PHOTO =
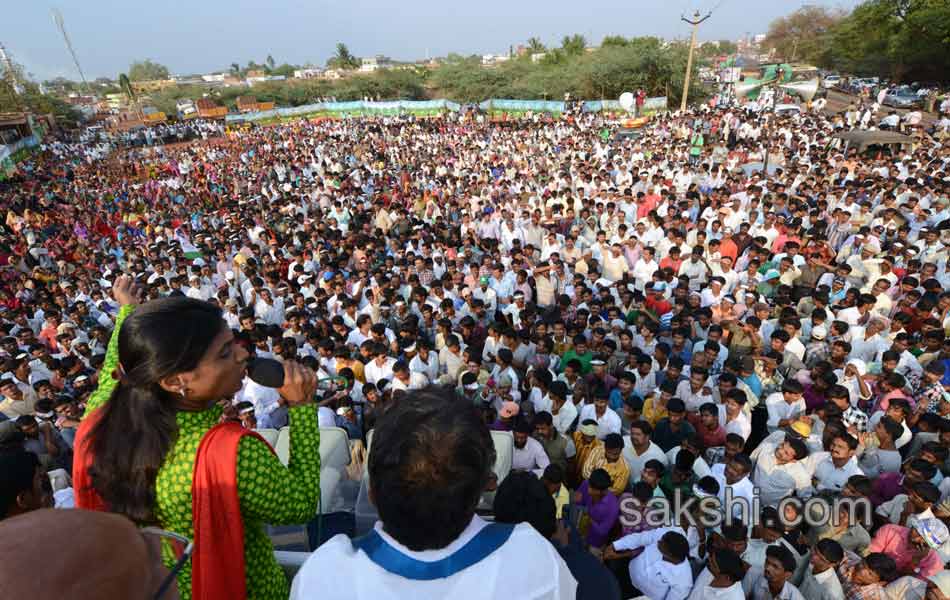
268,491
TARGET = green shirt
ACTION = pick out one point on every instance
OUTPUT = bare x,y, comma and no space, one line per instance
268,491
583,358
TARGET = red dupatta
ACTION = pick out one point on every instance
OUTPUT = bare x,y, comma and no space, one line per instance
218,570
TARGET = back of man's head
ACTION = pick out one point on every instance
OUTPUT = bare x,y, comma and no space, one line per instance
674,546
17,472
430,461
521,498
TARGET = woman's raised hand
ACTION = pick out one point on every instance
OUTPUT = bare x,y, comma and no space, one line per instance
125,290
300,383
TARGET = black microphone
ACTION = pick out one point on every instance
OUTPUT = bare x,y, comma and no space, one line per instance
266,371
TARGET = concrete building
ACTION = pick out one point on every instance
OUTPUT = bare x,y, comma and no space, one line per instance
312,73
375,63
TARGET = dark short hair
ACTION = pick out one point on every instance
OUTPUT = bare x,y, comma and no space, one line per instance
882,564
599,479
729,563
830,549
17,470
675,545
783,555
522,498
431,459
675,405
613,441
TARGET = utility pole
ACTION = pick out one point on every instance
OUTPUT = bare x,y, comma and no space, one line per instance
696,20
61,25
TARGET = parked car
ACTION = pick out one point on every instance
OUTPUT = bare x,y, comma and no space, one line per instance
902,98
831,81
785,110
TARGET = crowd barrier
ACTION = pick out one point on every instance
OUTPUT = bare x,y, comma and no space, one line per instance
432,108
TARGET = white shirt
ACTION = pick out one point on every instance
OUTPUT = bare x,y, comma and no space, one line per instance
892,509
564,417
417,381
684,391
263,398
531,457
703,591
656,578
374,372
740,425
823,586
430,369
741,489
779,409
777,481
337,571
636,462
832,478
609,422
760,591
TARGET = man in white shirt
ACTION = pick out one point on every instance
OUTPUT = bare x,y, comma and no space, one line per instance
732,416
734,476
608,421
268,411
381,367
722,577
779,471
404,379
529,454
639,449
661,571
429,543
787,406
820,581
833,469
773,582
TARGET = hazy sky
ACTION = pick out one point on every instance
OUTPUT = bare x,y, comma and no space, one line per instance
206,35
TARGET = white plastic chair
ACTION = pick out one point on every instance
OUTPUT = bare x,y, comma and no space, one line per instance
330,479
59,479
269,435
282,446
290,562
504,451
334,448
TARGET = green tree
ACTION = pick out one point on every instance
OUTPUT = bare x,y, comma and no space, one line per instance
270,62
900,39
126,87
146,70
728,47
573,45
613,40
28,98
235,69
343,59
535,46
804,35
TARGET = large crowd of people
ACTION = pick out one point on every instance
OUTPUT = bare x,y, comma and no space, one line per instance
647,315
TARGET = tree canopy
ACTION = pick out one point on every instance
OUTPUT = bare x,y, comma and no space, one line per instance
901,39
343,59
805,34
146,70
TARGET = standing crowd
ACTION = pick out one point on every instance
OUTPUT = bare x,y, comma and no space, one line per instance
648,318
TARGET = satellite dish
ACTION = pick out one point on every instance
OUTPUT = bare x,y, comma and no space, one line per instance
627,100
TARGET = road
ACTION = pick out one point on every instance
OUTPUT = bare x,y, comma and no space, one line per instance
839,101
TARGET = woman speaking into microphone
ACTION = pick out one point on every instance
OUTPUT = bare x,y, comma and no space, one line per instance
151,447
